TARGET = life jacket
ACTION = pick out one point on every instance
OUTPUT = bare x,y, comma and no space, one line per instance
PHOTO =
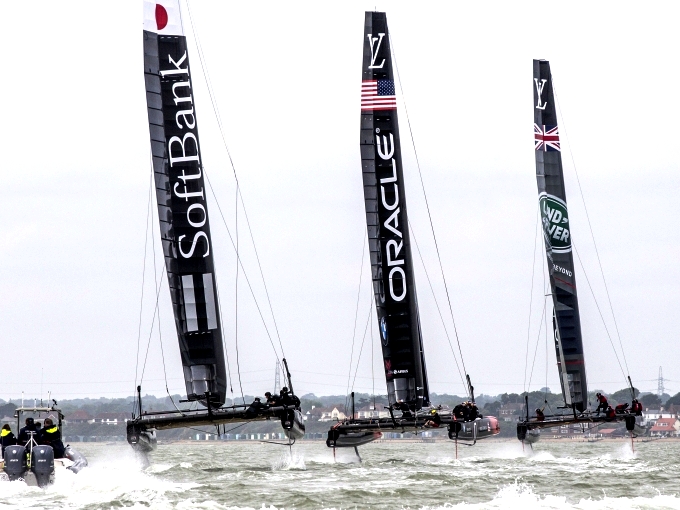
611,413
5,432
602,399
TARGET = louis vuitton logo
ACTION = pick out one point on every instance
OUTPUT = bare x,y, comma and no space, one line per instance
375,48
539,91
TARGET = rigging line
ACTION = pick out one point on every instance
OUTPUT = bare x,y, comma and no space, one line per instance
213,101
238,365
538,341
160,333
158,315
546,286
245,274
356,317
600,312
427,205
441,316
372,365
361,349
531,299
153,320
155,278
141,302
592,233
224,342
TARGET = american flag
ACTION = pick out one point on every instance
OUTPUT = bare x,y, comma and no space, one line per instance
378,95
546,138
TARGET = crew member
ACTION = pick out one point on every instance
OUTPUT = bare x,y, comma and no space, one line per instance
26,432
435,420
621,408
602,403
636,408
539,415
288,399
272,400
254,409
459,412
6,437
610,413
50,435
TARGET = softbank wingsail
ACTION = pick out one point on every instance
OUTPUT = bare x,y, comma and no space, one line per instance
392,268
187,246
566,320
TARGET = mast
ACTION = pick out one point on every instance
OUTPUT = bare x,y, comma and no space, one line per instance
388,233
552,202
181,199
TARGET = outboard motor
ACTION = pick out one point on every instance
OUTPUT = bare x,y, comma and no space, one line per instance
42,464
79,461
15,462
293,424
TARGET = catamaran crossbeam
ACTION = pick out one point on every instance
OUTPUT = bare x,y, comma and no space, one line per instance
528,430
141,430
362,431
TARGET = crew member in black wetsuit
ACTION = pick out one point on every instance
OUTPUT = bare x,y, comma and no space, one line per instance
459,412
50,435
272,400
254,409
539,415
288,399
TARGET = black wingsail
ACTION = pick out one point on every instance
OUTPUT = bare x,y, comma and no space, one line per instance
558,245
181,198
388,233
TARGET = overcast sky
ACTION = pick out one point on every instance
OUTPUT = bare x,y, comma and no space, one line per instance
286,78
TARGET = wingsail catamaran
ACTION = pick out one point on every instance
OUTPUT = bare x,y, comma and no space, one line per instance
558,247
392,267
188,250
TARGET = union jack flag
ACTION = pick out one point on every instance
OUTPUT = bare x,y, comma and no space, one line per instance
378,95
546,138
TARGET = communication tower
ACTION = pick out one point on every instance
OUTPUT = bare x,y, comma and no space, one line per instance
660,389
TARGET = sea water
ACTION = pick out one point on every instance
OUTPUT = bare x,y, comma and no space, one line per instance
391,475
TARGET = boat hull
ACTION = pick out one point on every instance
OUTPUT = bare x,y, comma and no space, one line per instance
351,439
481,428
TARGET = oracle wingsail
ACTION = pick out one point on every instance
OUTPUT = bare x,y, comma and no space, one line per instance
187,246
393,279
388,234
557,235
